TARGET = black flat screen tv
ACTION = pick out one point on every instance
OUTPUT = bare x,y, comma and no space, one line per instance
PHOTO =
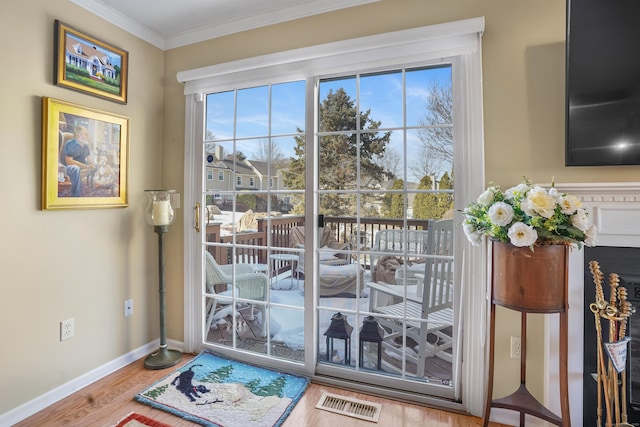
603,83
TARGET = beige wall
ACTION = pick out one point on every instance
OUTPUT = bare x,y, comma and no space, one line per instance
523,83
81,264
84,264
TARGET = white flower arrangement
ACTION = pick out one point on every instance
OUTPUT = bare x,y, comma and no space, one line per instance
527,215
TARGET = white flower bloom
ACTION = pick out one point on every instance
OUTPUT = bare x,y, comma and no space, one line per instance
541,202
468,227
569,204
521,234
526,208
473,235
554,217
500,213
486,198
518,189
590,236
580,220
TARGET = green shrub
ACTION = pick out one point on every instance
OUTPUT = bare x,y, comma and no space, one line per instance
77,70
248,199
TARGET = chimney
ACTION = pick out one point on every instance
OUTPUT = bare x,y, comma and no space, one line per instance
218,152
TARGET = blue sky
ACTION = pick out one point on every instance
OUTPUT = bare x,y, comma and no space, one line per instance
381,93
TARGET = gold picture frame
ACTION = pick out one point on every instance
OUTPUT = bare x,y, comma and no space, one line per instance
89,65
84,157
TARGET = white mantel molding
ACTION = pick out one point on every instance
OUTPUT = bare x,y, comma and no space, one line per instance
615,209
625,192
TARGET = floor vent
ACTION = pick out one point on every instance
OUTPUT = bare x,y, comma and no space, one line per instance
349,406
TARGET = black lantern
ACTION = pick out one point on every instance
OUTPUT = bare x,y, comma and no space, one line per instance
373,333
339,329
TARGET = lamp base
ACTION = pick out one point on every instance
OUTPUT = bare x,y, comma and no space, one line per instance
163,358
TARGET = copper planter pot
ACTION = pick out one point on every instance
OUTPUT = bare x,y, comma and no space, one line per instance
529,281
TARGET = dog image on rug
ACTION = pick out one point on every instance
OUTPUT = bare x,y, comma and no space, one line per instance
214,391
184,384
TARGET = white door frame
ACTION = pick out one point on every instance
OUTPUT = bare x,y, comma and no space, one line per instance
460,40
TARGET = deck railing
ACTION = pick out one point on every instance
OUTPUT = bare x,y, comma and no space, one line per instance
250,246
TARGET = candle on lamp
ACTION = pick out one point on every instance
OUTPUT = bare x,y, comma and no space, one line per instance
161,212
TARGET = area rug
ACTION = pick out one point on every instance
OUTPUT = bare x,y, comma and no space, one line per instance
213,391
137,420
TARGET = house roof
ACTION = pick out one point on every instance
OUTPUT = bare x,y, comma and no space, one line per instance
261,167
88,52
241,167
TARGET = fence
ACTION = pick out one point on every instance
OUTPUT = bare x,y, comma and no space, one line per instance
251,246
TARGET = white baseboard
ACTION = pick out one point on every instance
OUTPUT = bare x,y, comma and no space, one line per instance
43,401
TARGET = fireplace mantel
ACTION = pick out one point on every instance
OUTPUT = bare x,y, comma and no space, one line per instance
615,209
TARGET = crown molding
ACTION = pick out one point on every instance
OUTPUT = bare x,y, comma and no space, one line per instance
225,28
121,20
218,28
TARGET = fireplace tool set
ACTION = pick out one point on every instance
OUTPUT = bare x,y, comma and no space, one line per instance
611,373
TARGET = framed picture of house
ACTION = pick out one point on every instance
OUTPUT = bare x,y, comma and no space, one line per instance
89,65
84,157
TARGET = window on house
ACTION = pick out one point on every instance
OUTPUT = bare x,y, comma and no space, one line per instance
220,176
239,181
252,182
209,175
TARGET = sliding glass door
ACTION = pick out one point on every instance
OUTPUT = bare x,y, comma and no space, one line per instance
327,246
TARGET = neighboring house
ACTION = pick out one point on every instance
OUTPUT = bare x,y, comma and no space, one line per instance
250,175
262,174
81,55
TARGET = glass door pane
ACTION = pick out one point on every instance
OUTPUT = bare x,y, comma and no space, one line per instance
252,293
385,276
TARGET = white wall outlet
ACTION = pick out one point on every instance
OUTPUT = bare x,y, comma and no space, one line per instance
516,349
128,308
67,329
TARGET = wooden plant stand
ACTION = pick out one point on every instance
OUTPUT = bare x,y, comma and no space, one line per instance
529,282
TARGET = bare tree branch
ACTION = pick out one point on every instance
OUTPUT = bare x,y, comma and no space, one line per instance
436,136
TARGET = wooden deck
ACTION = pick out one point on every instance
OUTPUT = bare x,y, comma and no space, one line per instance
247,334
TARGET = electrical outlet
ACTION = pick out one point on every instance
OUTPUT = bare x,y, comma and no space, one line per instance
128,308
516,348
66,329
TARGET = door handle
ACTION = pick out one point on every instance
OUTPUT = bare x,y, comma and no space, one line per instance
197,218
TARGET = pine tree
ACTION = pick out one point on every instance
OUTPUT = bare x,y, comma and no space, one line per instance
445,200
274,388
424,204
253,385
157,392
219,375
337,155
393,203
293,177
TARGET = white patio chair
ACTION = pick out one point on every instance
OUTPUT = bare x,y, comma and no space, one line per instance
424,308
248,284
398,241
336,276
328,244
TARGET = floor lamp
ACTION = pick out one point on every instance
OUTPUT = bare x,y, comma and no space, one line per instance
160,214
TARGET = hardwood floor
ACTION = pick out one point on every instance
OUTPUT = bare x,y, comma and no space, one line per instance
105,402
